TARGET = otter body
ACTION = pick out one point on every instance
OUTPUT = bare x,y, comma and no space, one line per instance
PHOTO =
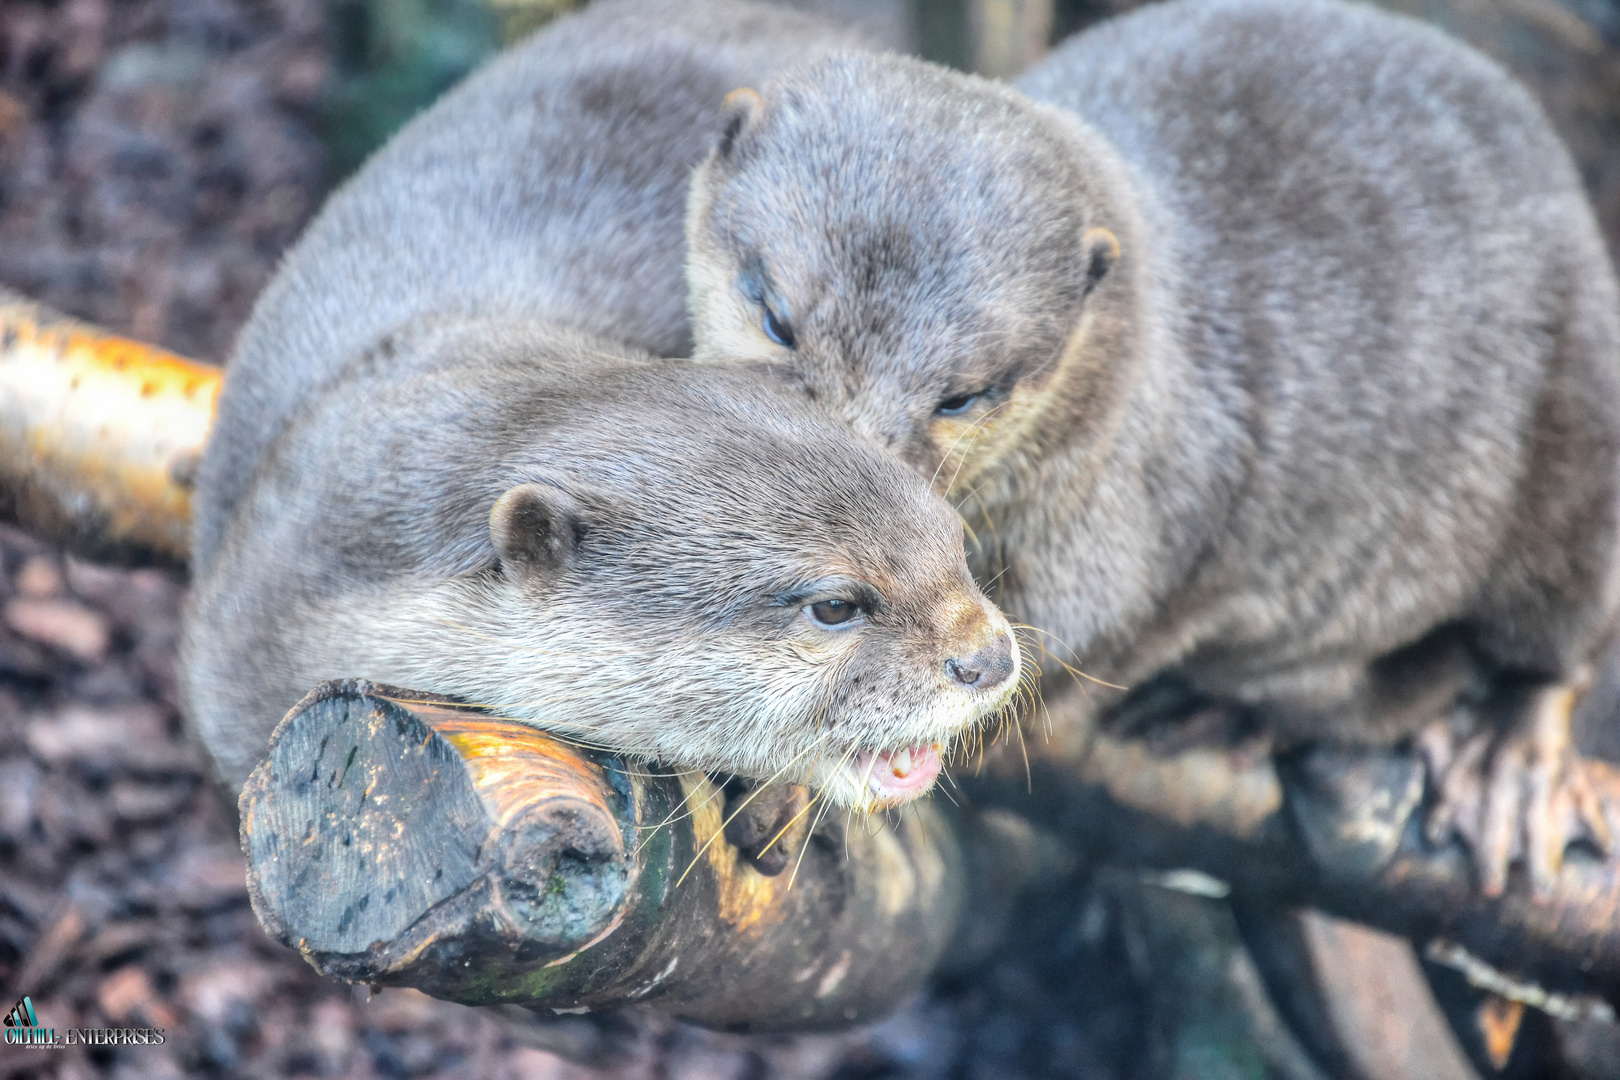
549,185
1400,338
1270,348
429,469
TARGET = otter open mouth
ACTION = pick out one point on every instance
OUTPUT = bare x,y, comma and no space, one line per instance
897,776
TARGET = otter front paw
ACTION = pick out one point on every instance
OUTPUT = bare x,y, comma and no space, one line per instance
1522,792
767,823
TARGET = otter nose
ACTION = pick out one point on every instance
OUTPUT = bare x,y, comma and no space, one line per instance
987,668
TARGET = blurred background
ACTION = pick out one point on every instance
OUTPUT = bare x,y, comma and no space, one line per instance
156,157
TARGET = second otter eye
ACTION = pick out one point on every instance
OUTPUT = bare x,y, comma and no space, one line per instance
778,329
956,406
832,612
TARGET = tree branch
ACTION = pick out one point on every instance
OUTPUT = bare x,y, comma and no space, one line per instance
99,436
405,840
1340,831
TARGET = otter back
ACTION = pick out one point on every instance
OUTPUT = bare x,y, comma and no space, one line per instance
548,185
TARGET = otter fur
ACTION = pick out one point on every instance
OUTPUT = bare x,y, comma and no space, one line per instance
550,184
430,468
1270,348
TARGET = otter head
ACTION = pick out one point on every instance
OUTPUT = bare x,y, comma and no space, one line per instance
705,571
921,246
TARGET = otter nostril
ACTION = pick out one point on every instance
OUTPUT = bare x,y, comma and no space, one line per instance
967,676
986,669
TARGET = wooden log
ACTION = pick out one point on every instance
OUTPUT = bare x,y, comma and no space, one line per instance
1337,831
99,436
401,840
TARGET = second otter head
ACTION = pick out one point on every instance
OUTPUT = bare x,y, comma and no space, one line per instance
919,245
702,570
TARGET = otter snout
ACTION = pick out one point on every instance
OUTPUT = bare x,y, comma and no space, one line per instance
982,655
987,667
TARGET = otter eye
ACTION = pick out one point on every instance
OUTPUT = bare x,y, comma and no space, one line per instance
832,612
778,329
956,406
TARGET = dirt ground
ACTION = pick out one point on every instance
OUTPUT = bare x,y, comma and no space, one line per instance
156,156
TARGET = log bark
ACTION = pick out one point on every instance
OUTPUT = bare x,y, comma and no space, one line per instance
397,839
99,436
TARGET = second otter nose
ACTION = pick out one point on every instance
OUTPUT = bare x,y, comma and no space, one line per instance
987,668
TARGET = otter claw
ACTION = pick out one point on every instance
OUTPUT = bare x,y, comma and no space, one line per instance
1523,794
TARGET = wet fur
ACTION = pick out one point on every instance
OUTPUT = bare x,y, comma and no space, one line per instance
1335,436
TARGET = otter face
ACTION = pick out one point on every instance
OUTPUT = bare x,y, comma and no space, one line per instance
914,243
736,585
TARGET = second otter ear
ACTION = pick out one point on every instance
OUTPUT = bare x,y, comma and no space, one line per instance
737,113
535,529
1100,249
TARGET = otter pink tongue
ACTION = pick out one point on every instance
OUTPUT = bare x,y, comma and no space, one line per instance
899,774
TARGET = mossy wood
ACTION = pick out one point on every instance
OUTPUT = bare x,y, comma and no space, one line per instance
404,840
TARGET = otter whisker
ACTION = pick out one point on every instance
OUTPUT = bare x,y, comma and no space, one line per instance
970,495
1076,672
794,820
752,795
1029,776
993,580
825,803
676,814
977,429
972,430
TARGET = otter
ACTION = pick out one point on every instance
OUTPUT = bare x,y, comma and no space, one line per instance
1269,347
550,184
441,460
678,563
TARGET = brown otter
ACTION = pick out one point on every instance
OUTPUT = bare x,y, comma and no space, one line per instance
677,562
1269,347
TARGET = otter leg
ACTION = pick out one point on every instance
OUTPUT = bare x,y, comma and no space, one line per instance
767,823
1518,792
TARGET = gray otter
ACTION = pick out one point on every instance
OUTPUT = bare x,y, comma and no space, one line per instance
676,562
550,184
1269,346
417,475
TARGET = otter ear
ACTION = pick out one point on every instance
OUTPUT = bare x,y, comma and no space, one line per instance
738,112
1101,251
535,529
